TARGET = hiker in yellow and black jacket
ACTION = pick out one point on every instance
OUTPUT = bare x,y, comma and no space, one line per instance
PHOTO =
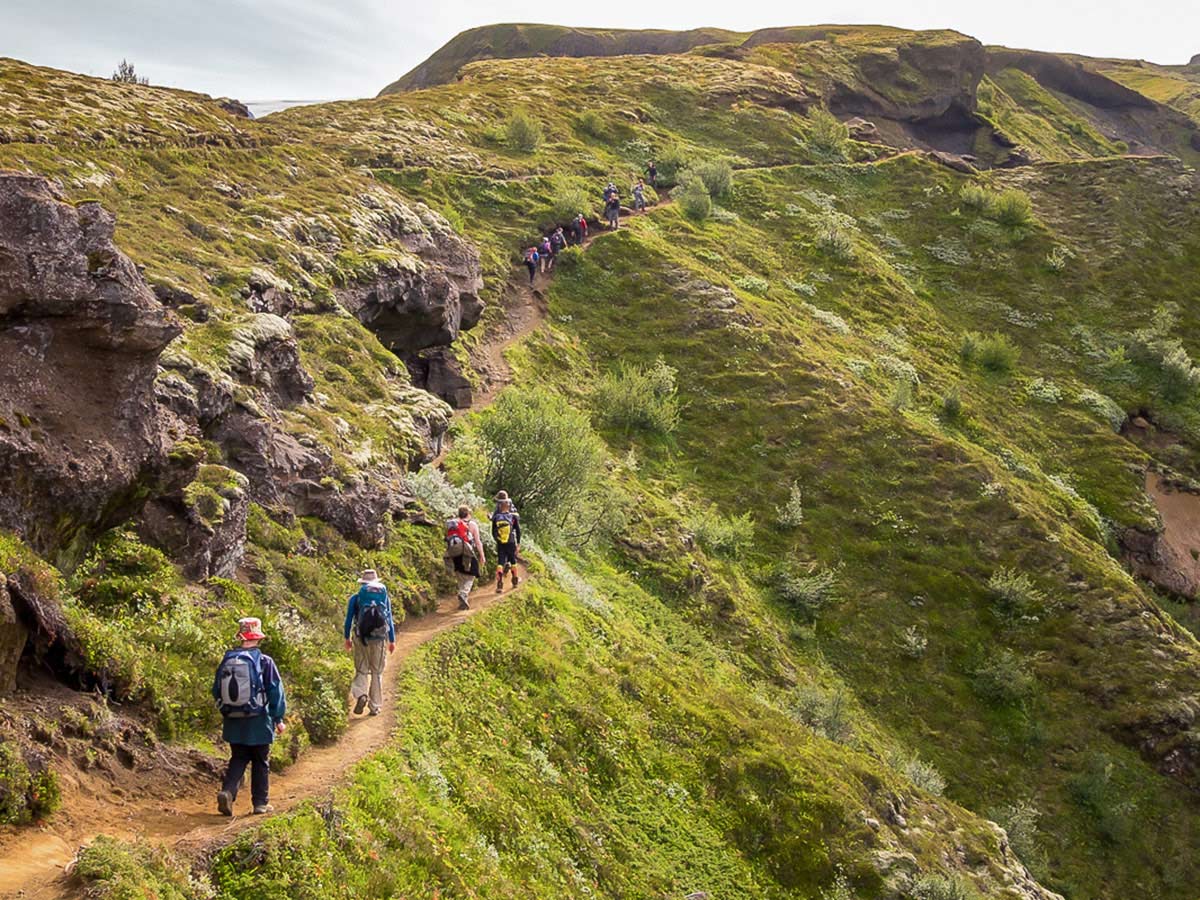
506,532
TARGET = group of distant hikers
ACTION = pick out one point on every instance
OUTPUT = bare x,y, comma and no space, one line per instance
540,257
249,690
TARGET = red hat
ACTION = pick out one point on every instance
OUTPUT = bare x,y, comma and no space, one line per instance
250,629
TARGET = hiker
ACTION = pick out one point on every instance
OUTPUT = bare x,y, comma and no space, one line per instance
506,531
250,696
558,241
612,212
652,171
547,253
464,553
531,262
639,196
369,610
610,191
579,228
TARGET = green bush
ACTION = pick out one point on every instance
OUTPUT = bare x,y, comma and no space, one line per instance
26,793
717,176
952,408
671,161
828,138
1097,792
1105,407
791,514
1012,208
591,123
544,452
693,197
1020,822
808,592
567,201
1013,595
974,196
1003,678
942,887
522,132
122,575
638,398
825,711
833,238
323,709
723,535
921,773
994,352
113,870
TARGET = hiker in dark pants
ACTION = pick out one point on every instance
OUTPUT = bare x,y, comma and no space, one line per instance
558,241
652,171
612,212
531,262
249,693
506,532
546,251
369,612
579,228
639,196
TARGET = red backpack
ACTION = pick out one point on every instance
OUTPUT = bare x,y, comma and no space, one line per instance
458,539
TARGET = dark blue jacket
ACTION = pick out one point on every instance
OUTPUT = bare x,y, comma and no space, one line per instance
260,729
352,616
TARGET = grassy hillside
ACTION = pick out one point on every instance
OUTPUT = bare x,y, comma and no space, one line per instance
862,598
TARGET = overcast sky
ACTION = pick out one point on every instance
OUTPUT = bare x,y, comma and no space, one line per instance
317,49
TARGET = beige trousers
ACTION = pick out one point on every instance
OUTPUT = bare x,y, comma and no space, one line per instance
465,583
369,660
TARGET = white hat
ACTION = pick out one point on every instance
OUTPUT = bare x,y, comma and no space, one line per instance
368,576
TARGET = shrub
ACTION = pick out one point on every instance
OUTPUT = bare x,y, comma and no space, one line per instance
1156,349
942,887
641,398
693,197
543,451
809,593
671,162
828,138
974,196
568,201
121,575
26,792
833,238
901,396
791,514
994,352
1012,208
922,774
323,709
723,535
1013,595
1095,790
125,73
521,132
913,642
830,320
1020,821
1003,679
111,869
1105,407
752,284
952,408
439,496
826,712
717,176
592,123
1043,390
1057,259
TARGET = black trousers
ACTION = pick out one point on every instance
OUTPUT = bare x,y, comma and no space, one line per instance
257,757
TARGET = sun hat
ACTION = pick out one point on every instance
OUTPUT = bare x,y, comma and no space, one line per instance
503,495
250,629
368,576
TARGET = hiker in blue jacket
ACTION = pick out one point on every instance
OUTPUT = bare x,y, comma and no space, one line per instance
250,695
369,612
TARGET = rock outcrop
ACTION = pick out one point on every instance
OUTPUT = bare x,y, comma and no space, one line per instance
437,371
81,435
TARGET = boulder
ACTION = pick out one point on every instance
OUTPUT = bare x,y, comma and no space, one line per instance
861,129
81,434
1194,62
202,527
437,371
361,510
235,107
955,161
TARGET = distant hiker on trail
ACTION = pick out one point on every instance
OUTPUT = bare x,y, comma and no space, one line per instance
464,553
250,696
558,241
612,212
579,228
531,262
610,191
506,531
639,196
369,611
547,254
652,171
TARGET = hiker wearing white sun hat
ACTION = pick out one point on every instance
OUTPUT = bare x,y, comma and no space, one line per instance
369,613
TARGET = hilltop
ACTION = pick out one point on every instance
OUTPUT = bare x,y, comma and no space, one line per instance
874,573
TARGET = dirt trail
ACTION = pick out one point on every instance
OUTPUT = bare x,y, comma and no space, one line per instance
181,813
32,863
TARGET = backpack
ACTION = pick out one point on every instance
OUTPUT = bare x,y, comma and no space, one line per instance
458,540
372,612
504,527
531,255
240,685
546,248
558,241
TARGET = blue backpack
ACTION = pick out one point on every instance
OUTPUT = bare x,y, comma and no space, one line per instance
372,622
240,685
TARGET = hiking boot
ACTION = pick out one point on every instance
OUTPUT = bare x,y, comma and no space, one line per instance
360,705
499,582
516,580
463,604
263,808
374,712
225,803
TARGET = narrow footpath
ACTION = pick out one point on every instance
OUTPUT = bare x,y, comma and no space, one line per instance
181,815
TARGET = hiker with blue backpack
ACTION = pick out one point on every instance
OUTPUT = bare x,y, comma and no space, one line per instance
369,613
506,532
250,696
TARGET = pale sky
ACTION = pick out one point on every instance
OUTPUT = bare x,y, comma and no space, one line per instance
318,49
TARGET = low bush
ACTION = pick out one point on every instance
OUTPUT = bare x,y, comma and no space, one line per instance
1020,822
791,514
27,792
913,642
717,176
921,773
825,711
591,123
638,398
1013,595
440,496
952,407
828,138
522,132
752,284
693,197
113,870
942,887
994,352
1097,792
1105,407
1012,208
833,238
671,162
567,201
724,535
1003,678
808,592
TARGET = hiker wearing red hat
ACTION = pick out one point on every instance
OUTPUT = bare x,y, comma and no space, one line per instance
250,696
